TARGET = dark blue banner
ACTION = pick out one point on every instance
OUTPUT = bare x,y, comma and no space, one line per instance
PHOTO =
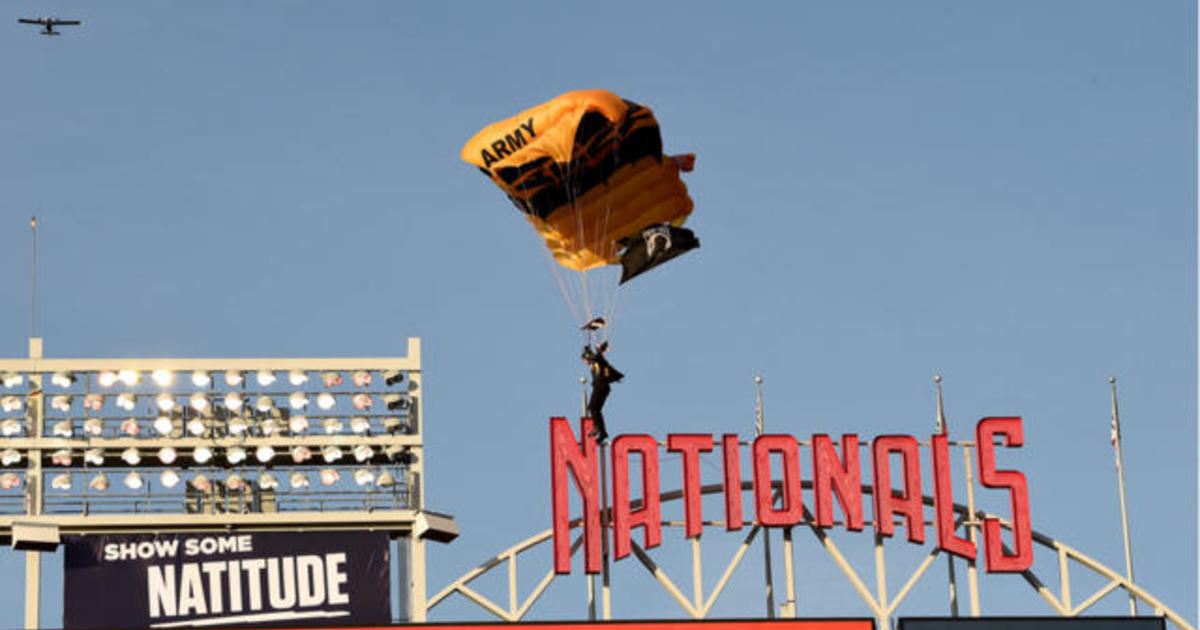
227,579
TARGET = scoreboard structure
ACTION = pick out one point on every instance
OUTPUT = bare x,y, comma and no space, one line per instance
120,459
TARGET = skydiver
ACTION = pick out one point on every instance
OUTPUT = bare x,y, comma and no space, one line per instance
603,376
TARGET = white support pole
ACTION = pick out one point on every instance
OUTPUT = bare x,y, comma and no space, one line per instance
789,572
758,429
36,493
1116,436
972,532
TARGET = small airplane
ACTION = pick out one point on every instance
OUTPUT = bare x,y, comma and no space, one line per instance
48,24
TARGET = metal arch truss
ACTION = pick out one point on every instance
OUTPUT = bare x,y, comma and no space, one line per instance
881,604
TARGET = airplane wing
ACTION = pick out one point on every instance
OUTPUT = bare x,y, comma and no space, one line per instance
66,22
28,21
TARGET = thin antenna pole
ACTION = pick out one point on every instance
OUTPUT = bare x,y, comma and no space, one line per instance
33,277
1116,441
941,428
758,430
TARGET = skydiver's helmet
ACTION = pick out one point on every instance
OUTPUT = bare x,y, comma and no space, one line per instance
588,355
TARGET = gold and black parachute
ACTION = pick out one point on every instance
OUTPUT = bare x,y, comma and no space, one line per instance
588,171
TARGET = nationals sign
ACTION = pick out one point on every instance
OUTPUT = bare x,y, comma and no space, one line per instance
227,579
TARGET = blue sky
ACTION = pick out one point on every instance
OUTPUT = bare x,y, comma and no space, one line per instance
1002,193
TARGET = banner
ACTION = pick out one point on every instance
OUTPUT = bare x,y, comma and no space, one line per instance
227,579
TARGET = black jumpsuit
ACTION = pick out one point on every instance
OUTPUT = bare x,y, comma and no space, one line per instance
603,375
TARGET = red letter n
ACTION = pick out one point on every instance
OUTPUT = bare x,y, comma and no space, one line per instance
843,477
566,455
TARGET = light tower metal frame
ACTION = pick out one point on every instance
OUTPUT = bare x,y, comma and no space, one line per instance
405,517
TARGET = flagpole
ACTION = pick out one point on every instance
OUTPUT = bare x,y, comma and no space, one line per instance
940,428
758,429
1116,441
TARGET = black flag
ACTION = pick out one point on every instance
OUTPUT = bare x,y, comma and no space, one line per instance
657,245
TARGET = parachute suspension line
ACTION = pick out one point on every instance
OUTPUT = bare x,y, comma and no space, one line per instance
580,233
562,286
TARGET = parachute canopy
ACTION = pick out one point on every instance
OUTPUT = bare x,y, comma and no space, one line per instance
588,171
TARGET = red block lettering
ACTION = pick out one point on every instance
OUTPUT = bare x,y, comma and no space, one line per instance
792,510
837,476
887,505
943,502
1022,556
690,445
648,516
567,455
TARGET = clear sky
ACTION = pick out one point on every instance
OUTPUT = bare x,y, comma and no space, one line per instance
1003,193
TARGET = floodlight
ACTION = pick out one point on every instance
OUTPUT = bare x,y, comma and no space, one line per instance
162,377
298,424
326,401
363,452
237,425
61,482
61,457
297,400
362,401
130,427
301,454
364,476
202,454
264,453
95,402
201,483
359,424
93,427
129,377
99,482
61,402
395,401
133,480
297,378
94,456
297,480
10,403
127,401
196,427
391,377
235,482
361,378
169,478
107,378
200,378
332,425
167,455
8,481
331,454
331,379
385,479
165,402
199,402
12,379
269,427
267,481
62,379
235,455
131,456
392,424
10,427
264,404
62,429
233,378
233,401
265,377
10,456
329,477
163,425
